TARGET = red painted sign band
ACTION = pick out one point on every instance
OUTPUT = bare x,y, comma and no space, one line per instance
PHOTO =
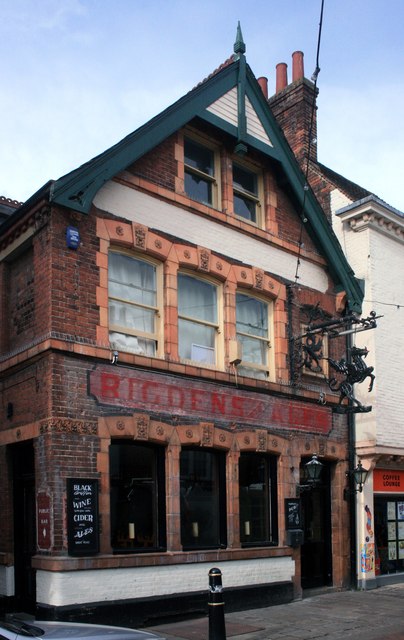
388,480
168,395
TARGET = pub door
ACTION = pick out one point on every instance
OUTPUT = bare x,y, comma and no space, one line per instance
22,458
316,551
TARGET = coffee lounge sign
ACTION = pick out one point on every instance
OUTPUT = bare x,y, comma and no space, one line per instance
147,391
82,516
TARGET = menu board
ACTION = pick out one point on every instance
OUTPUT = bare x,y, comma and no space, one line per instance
293,518
82,516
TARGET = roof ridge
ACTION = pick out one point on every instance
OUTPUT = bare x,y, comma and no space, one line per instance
224,64
10,203
350,188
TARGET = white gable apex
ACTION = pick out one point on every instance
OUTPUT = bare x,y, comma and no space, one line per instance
226,109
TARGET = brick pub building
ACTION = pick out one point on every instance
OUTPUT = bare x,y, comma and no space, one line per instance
155,421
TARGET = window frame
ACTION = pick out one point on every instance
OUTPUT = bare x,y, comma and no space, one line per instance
159,516
268,368
270,524
217,326
157,335
212,180
220,462
254,197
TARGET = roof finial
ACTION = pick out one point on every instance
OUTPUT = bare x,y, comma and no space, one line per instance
239,46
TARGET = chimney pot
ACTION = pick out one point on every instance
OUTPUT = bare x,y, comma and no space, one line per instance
281,76
263,83
297,66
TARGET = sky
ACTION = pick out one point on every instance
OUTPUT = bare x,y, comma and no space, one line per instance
79,75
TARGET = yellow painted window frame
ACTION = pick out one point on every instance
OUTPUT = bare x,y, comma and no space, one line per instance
158,335
219,326
214,180
269,368
258,198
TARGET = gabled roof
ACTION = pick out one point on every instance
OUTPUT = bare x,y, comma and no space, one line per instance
349,188
7,207
231,100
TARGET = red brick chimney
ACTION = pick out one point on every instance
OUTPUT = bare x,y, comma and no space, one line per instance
263,83
292,106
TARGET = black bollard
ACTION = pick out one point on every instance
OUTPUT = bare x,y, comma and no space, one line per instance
217,628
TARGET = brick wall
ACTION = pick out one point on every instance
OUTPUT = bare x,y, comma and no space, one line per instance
61,455
293,108
74,277
20,284
290,224
159,165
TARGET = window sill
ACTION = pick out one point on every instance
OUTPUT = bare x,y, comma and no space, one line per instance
110,561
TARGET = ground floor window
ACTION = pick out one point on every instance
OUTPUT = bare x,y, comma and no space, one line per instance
203,499
389,533
137,497
258,504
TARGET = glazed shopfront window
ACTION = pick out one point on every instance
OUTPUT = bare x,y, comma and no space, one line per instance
258,502
389,533
203,499
137,497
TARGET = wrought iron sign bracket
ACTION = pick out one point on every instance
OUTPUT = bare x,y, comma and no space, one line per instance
307,352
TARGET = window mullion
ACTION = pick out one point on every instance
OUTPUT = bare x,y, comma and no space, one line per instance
205,323
200,173
132,332
148,307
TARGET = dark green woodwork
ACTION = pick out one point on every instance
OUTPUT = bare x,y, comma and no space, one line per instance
239,50
77,189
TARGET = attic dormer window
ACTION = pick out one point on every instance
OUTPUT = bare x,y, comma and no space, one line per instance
199,172
246,193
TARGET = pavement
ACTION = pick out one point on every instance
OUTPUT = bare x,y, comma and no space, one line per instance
376,614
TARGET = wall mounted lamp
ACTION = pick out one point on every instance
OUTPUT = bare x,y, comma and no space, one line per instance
311,473
359,475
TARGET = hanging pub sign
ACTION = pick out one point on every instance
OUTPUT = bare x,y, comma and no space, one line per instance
82,516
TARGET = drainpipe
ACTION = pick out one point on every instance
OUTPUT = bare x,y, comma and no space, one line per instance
351,485
289,293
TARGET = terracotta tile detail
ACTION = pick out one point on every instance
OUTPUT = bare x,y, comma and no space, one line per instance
102,297
219,268
204,258
222,439
179,184
258,279
140,236
102,260
102,335
187,256
244,276
158,246
101,229
119,232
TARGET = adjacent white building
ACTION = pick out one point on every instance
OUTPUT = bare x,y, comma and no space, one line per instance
372,236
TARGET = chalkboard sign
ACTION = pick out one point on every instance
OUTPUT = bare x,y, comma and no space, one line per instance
293,518
82,516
